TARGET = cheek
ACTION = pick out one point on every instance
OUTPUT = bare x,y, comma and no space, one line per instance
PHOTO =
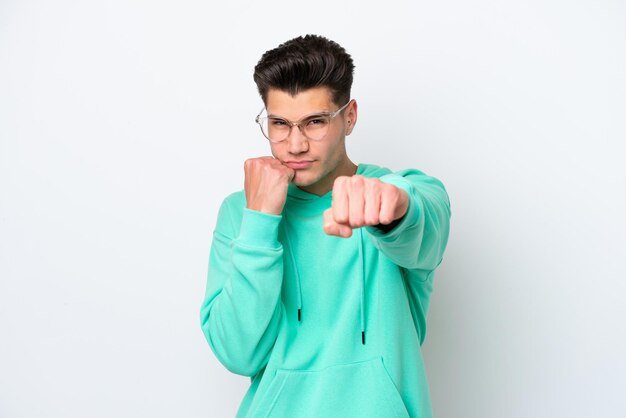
275,149
333,151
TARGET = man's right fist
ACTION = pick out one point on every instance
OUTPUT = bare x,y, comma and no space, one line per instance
266,184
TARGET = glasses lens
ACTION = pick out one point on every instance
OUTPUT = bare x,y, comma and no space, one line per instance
275,129
316,127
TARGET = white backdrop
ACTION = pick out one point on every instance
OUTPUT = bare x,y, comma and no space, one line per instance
123,124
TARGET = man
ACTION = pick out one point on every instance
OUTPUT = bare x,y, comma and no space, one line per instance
321,270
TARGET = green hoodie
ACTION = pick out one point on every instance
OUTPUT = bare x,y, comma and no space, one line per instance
326,326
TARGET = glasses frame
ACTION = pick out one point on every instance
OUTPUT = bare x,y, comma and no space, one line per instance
260,119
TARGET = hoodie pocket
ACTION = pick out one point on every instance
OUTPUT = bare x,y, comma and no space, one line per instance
363,389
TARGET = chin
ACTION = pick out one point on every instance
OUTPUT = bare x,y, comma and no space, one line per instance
303,179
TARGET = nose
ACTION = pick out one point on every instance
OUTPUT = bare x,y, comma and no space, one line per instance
297,142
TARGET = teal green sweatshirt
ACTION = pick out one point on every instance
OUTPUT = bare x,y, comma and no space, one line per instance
326,326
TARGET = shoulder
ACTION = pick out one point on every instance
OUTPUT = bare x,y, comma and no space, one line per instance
235,200
410,179
230,213
371,170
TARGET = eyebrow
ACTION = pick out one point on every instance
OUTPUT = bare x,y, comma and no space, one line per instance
324,112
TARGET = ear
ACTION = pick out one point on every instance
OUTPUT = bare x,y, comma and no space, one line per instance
351,116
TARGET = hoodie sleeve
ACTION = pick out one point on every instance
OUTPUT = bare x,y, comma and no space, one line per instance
418,241
241,310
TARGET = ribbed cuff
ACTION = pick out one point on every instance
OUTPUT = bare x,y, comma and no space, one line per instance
259,229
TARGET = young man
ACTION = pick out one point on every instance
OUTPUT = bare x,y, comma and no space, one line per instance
321,270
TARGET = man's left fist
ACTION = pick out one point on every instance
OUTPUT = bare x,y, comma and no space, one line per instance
360,201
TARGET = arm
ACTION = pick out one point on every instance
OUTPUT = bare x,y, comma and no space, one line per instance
418,241
407,214
241,310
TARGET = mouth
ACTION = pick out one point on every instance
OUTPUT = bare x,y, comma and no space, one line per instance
298,165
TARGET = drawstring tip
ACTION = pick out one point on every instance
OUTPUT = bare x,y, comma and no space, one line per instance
299,314
363,337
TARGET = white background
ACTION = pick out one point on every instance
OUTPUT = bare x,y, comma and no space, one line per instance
123,124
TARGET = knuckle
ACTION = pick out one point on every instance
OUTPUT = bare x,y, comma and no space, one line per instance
372,189
356,221
386,219
357,180
388,188
340,181
389,193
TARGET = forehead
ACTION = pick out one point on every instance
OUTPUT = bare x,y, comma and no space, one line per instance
315,100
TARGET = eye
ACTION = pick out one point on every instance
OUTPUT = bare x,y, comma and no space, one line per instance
317,121
279,123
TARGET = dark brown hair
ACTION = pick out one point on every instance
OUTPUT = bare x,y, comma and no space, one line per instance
303,63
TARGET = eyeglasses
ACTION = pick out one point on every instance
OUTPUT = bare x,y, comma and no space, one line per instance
313,127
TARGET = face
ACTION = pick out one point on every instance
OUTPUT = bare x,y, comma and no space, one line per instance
316,163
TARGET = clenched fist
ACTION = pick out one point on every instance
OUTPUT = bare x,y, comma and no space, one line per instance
266,184
360,201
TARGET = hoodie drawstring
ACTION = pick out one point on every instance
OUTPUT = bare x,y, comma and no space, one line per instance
361,268
295,268
362,301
